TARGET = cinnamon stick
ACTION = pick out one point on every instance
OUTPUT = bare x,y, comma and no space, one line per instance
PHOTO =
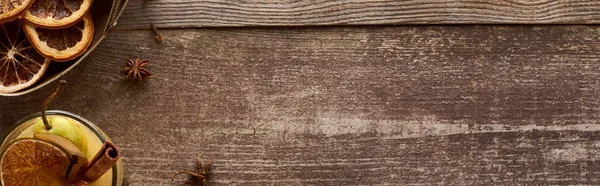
102,162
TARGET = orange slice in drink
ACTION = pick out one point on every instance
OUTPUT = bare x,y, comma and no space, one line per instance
69,147
20,65
57,13
33,162
64,44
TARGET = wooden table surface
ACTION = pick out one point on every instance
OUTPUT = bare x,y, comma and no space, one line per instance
432,92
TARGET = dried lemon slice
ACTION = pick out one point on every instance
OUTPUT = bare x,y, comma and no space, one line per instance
57,13
34,163
20,64
11,9
64,44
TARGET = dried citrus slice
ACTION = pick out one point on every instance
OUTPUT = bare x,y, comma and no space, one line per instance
34,162
11,9
62,44
20,64
57,13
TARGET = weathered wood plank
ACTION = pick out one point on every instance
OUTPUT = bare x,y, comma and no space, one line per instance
465,105
217,13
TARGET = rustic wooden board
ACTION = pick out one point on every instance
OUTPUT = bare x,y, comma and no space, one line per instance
463,105
218,13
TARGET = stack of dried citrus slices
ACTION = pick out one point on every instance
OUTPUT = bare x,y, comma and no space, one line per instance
35,32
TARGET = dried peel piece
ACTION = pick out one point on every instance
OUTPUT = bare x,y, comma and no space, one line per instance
20,65
57,13
64,44
11,9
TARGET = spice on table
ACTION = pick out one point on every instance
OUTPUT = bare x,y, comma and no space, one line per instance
137,69
200,175
158,36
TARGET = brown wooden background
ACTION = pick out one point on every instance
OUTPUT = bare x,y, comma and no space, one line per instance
502,92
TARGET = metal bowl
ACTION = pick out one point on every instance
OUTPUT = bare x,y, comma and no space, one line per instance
105,14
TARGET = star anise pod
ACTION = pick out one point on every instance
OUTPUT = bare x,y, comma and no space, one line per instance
200,175
137,69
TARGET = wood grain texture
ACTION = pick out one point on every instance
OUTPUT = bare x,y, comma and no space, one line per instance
217,13
423,105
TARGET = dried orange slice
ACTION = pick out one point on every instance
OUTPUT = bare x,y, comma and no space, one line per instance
34,162
20,64
62,44
57,13
11,9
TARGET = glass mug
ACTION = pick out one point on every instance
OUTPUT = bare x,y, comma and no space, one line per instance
96,137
